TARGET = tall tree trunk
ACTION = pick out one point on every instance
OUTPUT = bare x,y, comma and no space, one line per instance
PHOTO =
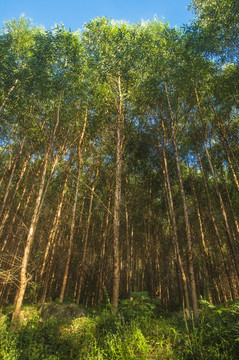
232,244
128,258
116,223
206,252
187,225
218,237
55,225
224,136
173,222
33,225
65,278
83,259
48,272
11,236
101,274
229,198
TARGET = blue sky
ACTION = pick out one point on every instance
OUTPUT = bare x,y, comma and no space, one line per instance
74,13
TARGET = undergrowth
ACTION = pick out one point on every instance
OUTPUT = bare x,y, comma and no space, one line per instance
138,331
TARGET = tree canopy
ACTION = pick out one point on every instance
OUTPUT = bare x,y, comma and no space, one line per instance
119,160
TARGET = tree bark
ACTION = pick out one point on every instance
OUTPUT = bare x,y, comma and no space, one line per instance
187,225
207,256
83,259
65,278
232,244
33,225
173,222
55,225
216,229
116,223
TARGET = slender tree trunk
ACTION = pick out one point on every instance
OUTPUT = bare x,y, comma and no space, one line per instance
224,138
82,268
229,199
231,166
55,225
187,225
7,212
174,224
128,262
65,278
32,229
11,176
103,250
116,223
216,229
11,236
230,237
48,272
28,246
206,252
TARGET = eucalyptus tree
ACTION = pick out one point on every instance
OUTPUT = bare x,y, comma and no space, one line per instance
111,54
160,80
53,68
128,135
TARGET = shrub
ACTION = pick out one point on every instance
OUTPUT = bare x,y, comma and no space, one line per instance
139,305
110,336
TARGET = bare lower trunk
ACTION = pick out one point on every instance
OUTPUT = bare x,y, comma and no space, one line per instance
116,223
232,244
65,277
48,272
174,225
29,242
185,210
128,258
54,226
206,252
229,200
32,228
218,237
82,268
103,251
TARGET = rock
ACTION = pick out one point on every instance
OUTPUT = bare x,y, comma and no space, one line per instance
61,311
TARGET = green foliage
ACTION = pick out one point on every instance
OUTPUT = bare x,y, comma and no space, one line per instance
215,336
53,74
107,335
139,304
217,20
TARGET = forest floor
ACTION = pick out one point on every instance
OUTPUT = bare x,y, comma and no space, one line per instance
138,331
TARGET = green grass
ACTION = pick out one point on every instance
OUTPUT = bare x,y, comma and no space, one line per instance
138,331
